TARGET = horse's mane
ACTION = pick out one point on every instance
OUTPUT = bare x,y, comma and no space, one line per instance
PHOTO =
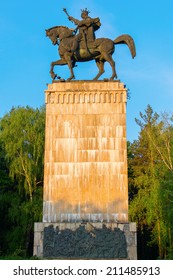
57,27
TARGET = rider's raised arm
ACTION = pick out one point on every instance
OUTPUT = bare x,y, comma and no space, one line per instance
76,21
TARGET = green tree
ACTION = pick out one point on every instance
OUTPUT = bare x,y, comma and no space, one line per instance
21,178
22,135
152,178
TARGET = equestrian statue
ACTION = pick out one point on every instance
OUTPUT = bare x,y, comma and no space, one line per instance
80,45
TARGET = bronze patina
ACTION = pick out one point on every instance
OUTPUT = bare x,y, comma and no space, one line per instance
80,45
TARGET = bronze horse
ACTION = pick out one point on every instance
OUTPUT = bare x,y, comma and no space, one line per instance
70,50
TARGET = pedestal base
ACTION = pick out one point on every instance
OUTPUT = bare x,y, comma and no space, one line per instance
85,240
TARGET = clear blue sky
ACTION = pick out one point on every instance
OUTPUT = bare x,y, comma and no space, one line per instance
26,53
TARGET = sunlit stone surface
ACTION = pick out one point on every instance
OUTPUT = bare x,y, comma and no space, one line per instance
85,171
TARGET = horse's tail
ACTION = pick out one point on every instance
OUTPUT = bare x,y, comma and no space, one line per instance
128,40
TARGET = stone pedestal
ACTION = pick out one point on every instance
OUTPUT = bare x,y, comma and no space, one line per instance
85,170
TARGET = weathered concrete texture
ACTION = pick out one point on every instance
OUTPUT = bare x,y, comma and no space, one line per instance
85,172
86,240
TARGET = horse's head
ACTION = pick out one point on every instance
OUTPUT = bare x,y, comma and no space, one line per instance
52,34
60,32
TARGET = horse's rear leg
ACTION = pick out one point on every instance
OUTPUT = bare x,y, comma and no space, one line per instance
100,65
108,58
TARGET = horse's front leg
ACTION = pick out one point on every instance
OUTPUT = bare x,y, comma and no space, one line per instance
68,58
57,62
53,75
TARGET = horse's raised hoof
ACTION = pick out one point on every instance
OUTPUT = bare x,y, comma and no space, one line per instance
53,76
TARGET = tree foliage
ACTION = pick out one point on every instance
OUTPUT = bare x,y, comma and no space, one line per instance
151,164
21,178
22,135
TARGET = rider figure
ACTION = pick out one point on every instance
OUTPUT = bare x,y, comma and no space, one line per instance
87,27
